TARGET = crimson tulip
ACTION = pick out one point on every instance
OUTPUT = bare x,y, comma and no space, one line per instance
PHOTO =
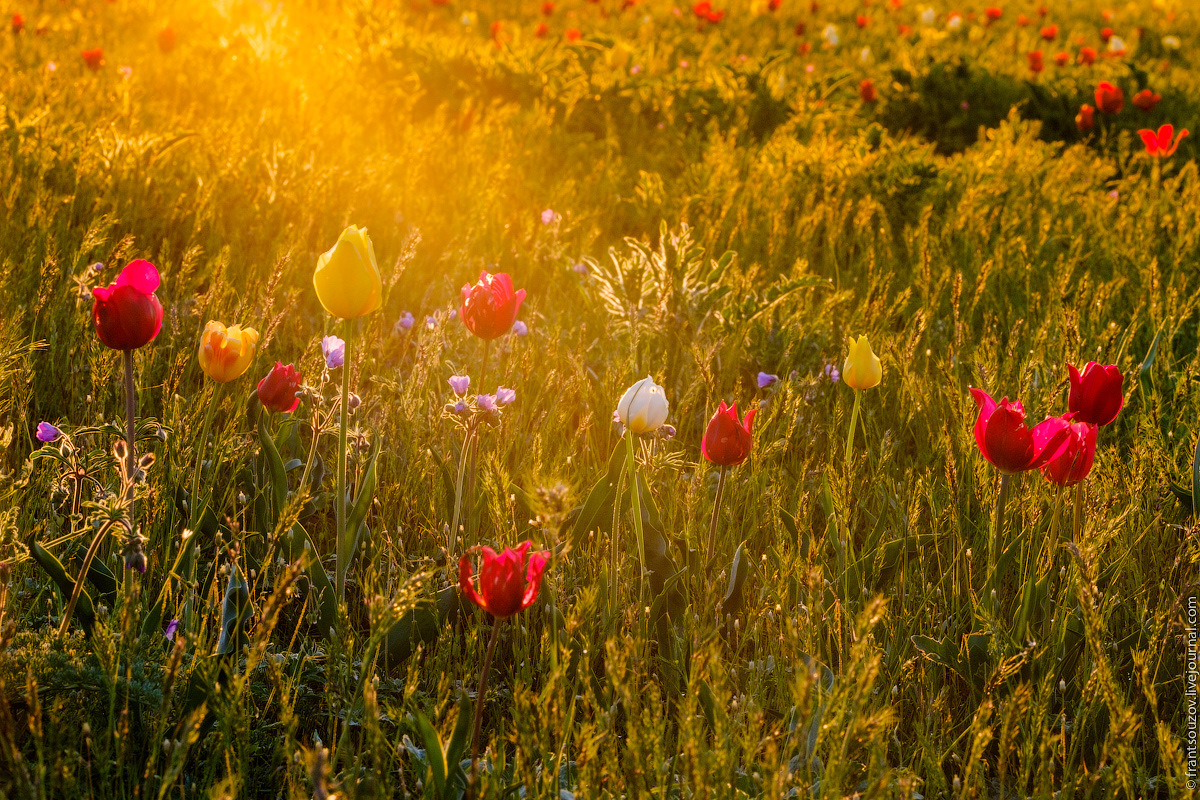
1076,461
1146,100
490,307
727,441
1085,120
277,391
1008,443
507,584
1096,395
1162,143
127,313
94,59
1109,99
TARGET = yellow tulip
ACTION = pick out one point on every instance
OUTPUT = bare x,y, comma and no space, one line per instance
225,353
862,369
347,278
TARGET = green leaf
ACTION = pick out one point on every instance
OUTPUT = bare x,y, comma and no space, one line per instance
732,604
592,515
456,778
84,611
235,610
318,579
433,754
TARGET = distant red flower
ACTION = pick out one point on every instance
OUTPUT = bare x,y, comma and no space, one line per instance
1085,120
866,90
800,28
1035,60
774,5
541,30
1022,20
166,39
1087,55
277,391
1160,144
814,7
508,582
993,14
904,30
93,58
1146,100
862,20
1061,59
805,47
1106,15
572,34
1050,33
702,9
548,8
1106,34
1043,11
18,24
1109,99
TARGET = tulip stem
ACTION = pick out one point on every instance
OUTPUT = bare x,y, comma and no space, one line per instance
635,501
458,495
77,590
487,349
130,423
995,545
1077,530
195,507
344,412
712,526
479,694
853,423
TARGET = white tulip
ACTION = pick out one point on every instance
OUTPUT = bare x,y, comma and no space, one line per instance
643,407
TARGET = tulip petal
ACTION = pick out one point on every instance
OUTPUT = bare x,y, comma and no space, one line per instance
533,577
987,406
1150,139
1166,133
1051,439
1009,442
141,275
465,583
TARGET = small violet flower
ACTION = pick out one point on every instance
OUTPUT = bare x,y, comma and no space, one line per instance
172,627
486,402
334,350
459,384
405,322
47,432
520,328
766,379
506,396
550,216
832,373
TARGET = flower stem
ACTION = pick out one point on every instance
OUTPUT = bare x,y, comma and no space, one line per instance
995,545
130,422
853,423
195,508
340,504
458,495
479,695
487,349
93,548
1077,531
636,506
712,526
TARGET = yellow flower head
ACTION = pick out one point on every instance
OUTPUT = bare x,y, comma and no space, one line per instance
225,353
862,369
347,278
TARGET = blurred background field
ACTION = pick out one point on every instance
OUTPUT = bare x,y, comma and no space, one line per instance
691,199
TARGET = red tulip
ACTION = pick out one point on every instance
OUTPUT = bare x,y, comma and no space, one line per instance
1022,20
548,8
1087,55
862,21
277,391
866,90
18,24
1076,461
490,307
93,58
1007,442
1160,144
572,35
993,14
1050,33
1106,34
1109,99
127,313
1146,100
1096,395
1061,59
1085,120
506,584
726,441
1035,60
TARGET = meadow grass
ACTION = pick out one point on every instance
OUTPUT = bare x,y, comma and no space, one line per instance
735,215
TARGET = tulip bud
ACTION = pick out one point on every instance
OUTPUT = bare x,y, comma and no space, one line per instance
1096,394
643,407
226,353
127,313
726,440
508,582
490,307
277,391
862,369
347,278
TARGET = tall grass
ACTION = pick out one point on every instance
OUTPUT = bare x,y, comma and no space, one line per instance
982,246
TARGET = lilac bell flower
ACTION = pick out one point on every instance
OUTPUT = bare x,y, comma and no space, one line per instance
405,322
506,396
486,402
766,379
172,627
520,328
334,350
459,384
47,432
